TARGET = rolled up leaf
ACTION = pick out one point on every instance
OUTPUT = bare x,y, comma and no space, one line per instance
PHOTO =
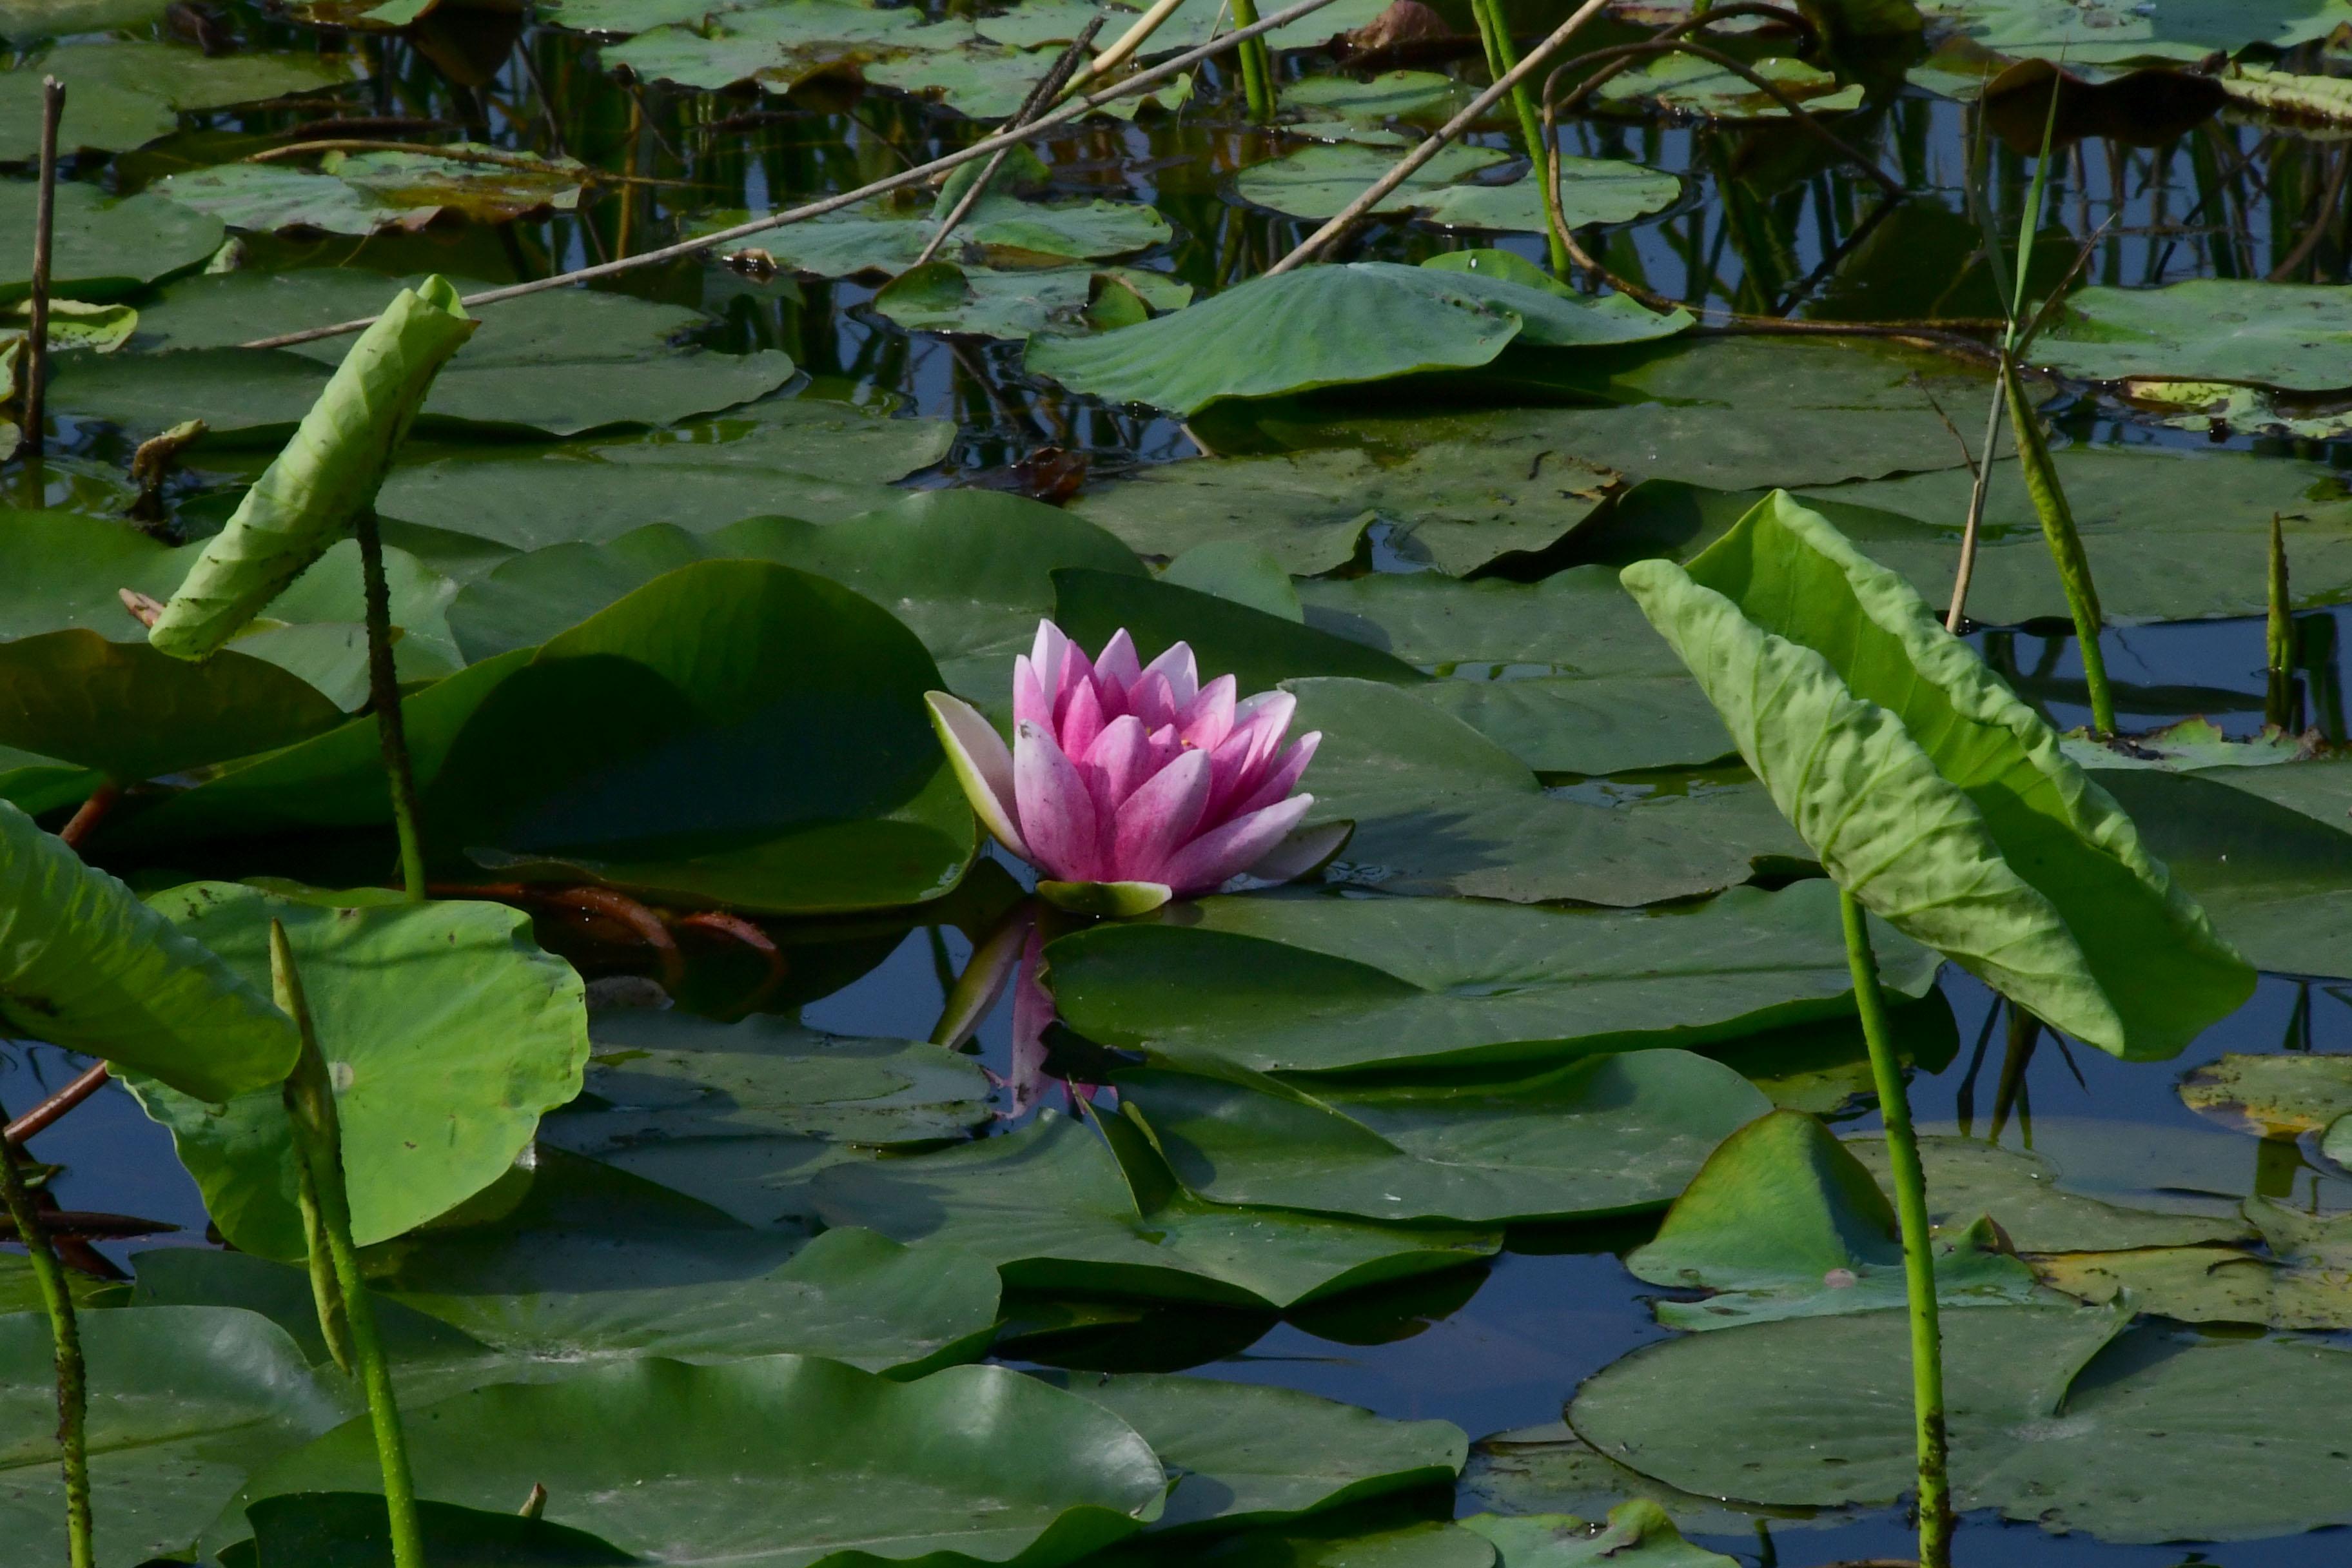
86,965
329,470
1934,796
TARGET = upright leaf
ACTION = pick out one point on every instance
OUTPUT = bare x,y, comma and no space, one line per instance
84,964
1943,803
327,474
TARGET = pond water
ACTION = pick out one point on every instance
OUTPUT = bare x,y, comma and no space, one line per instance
1760,221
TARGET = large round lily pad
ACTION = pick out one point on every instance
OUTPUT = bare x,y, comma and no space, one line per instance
103,248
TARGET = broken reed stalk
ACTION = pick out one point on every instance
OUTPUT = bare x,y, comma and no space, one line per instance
309,1095
1919,1246
1049,87
1495,33
1411,162
384,695
45,223
1257,66
1127,43
2278,634
1141,81
65,1335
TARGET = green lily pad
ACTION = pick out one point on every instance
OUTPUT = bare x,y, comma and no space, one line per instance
1316,182
362,192
201,1277
1440,809
90,968
1549,1470
1610,1135
1418,98
758,741
1056,1207
1258,648
2293,336
1967,1177
1638,1534
1356,1538
1238,571
1564,673
660,1076
1245,1454
821,461
103,249
185,1402
1319,984
559,363
886,234
2157,1435
133,714
449,1033
28,21
969,572
1784,1222
972,1465
779,45
2305,1282
1325,326
1452,506
2272,1096
942,297
1978,837
1693,85
2267,850
126,94
354,1527
2117,32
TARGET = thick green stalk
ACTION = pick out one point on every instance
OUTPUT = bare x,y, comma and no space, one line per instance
2066,545
318,1142
73,1388
1495,33
2278,636
384,695
1257,66
1919,1247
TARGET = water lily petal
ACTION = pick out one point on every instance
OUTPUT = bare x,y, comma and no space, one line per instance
982,765
1158,818
1178,668
1243,757
1048,656
1081,722
1284,776
1152,699
1117,664
1227,851
1078,674
1302,851
1032,698
1120,759
1056,810
1208,718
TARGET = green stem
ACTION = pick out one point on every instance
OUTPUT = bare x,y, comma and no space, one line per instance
384,695
1919,1248
1257,66
318,1140
2065,544
1495,33
2278,639
65,1332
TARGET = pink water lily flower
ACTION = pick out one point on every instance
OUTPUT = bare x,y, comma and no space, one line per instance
1138,777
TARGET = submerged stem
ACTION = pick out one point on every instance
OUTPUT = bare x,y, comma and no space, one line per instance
1919,1248
65,1332
318,1140
384,695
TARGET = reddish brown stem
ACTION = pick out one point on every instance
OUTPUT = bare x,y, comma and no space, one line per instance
648,925
89,1223
43,1116
91,813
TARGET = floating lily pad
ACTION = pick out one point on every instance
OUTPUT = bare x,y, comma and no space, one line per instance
1784,1222
1326,326
1258,648
886,234
2305,1282
103,249
337,1527
1638,1534
2020,1191
1245,1454
778,46
449,1032
1549,1470
127,94
969,1465
2159,1435
2117,32
969,572
944,298
558,362
2295,336
820,461
1441,809
1324,985
362,192
1419,97
1353,1539
28,21
1695,86
1610,1135
1057,1207
1316,182
1454,506
2272,1096
185,1402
